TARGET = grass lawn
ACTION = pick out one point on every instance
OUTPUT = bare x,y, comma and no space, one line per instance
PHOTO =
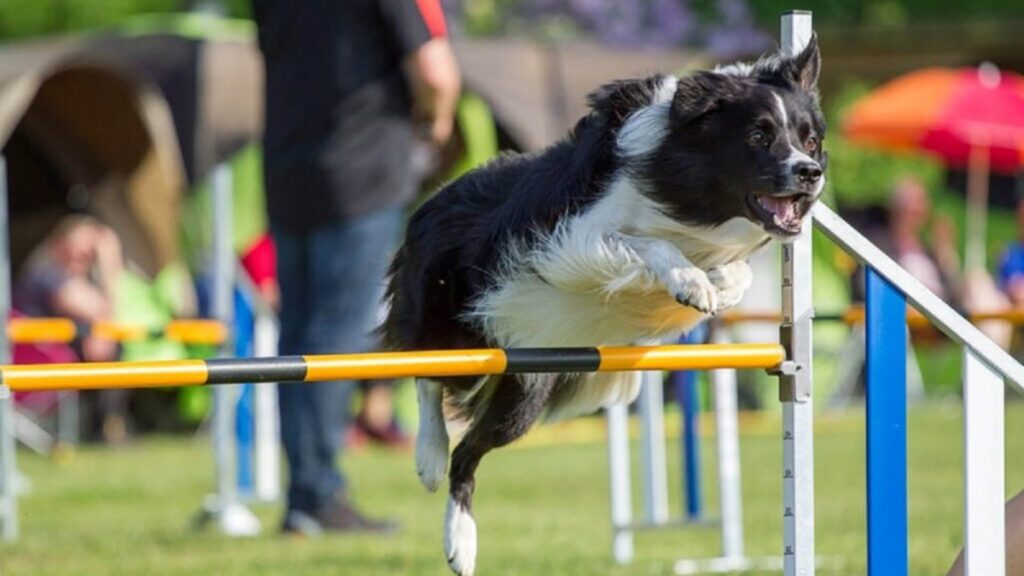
542,508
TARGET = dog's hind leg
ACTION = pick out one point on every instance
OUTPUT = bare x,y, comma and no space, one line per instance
513,407
432,439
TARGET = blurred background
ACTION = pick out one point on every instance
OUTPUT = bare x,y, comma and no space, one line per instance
117,112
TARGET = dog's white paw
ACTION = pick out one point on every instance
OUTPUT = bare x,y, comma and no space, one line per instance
731,280
691,287
459,539
432,439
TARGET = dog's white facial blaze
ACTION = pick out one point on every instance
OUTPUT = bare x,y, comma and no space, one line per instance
781,105
796,154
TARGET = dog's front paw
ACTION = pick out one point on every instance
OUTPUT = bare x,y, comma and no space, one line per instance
691,287
460,539
731,281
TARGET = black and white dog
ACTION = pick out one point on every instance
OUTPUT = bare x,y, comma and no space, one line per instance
631,230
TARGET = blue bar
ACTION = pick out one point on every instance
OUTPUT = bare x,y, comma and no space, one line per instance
684,382
245,424
886,400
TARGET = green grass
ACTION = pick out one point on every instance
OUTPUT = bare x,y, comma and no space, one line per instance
542,508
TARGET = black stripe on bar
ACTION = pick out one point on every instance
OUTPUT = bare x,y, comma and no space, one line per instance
248,370
522,360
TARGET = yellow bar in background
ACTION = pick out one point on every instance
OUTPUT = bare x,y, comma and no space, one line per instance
691,357
63,330
197,331
405,364
855,315
98,375
39,330
119,331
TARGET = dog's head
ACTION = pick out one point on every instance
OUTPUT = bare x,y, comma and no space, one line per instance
744,141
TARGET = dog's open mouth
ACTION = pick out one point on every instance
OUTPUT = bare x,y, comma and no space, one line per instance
782,214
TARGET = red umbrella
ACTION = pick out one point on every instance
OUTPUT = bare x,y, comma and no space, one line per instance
970,118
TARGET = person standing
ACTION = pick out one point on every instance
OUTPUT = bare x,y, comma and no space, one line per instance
348,85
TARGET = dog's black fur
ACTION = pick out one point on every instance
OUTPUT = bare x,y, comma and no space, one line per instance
716,158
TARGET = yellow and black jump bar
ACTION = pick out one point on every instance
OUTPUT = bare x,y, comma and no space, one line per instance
55,330
856,315
176,373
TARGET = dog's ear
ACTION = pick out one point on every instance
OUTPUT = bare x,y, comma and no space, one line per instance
803,68
614,102
699,94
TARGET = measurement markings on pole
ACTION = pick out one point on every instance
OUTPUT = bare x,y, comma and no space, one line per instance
789,488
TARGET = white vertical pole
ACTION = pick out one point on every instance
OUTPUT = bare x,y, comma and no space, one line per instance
984,490
8,464
655,470
723,382
621,493
268,451
797,378
225,398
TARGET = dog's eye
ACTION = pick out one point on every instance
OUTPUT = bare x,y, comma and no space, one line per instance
811,144
759,138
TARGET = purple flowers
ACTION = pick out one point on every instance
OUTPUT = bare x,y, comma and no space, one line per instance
727,30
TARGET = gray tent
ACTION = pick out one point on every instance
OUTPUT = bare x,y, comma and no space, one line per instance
118,126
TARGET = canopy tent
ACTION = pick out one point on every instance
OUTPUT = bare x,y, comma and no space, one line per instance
81,132
119,126
537,92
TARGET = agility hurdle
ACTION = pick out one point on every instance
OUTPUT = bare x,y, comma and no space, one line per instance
326,367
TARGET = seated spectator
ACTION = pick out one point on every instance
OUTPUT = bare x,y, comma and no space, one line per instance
73,274
1011,264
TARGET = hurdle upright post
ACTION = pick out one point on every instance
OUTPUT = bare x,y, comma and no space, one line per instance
232,517
886,417
652,422
795,375
617,417
8,445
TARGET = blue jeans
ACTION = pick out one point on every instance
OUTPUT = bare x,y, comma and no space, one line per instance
332,280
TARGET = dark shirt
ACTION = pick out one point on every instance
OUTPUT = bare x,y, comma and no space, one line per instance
338,135
37,286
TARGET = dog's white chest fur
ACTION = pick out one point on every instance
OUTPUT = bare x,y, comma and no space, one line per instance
615,275
599,277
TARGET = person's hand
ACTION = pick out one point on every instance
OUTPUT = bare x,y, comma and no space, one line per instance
944,243
109,259
434,77
99,349
1015,289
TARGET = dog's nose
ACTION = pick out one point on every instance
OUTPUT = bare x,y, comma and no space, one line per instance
807,172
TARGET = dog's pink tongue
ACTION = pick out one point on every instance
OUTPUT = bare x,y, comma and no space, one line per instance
783,210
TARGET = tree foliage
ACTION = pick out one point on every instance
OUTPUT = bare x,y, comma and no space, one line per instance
23,18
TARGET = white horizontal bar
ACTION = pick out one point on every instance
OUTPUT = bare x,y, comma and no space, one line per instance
955,326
